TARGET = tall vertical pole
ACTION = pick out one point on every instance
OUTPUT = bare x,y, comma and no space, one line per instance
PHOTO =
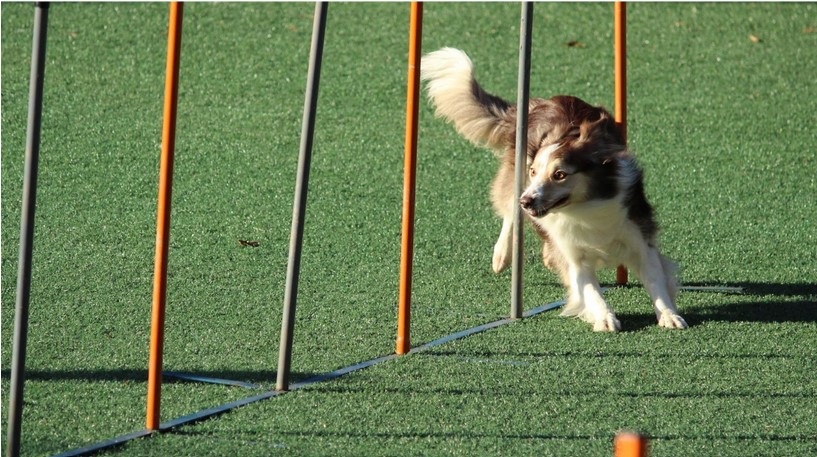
523,89
32,154
620,69
157,321
409,178
299,206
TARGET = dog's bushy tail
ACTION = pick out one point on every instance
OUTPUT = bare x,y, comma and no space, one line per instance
480,117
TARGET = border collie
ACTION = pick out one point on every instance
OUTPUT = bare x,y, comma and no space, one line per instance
584,192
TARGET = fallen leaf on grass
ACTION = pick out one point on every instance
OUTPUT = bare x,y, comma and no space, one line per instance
810,30
254,244
754,39
575,44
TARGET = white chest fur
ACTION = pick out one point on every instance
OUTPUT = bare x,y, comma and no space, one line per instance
594,233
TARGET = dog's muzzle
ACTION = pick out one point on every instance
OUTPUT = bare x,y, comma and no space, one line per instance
539,207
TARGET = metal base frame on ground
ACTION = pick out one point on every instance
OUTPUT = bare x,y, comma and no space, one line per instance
226,407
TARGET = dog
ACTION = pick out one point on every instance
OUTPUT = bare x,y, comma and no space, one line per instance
584,191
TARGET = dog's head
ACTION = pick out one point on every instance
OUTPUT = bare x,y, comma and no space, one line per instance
572,156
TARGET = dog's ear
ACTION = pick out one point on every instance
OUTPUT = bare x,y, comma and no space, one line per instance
602,130
543,125
538,129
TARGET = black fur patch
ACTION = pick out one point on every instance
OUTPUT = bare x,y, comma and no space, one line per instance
493,104
639,209
603,180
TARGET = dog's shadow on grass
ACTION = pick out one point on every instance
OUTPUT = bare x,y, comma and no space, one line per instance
755,302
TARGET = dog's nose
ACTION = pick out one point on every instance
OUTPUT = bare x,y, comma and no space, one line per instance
526,201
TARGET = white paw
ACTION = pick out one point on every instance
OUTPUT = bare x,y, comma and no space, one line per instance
671,320
607,324
502,258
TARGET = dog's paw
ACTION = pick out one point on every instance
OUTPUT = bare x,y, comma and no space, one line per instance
501,260
671,320
608,323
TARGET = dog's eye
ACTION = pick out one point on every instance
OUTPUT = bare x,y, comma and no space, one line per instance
559,175
532,172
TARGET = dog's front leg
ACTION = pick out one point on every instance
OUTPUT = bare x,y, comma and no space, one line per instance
584,288
503,249
657,275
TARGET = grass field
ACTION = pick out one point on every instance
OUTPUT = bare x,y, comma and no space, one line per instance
722,103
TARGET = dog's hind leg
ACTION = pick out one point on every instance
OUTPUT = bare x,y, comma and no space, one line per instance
658,275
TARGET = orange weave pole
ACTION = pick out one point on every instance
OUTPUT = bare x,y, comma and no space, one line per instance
409,179
630,445
157,321
620,69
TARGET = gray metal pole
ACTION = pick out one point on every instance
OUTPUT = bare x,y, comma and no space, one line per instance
299,207
523,88
35,105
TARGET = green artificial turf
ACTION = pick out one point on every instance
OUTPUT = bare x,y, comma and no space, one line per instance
721,115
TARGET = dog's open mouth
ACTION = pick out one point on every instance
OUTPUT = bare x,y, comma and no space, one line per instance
543,211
